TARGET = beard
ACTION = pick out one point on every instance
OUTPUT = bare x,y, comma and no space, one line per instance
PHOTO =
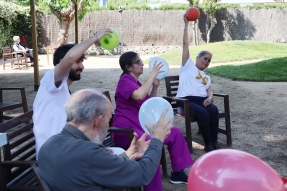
100,137
73,74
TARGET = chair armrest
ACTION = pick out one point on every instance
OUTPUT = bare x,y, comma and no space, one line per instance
118,129
172,98
19,163
12,88
220,95
185,102
130,131
226,103
7,54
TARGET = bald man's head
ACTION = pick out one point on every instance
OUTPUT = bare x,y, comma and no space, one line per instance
84,105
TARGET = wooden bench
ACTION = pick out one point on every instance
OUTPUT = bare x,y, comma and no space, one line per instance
19,153
9,105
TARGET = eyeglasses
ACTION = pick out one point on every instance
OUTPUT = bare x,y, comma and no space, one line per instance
207,59
139,62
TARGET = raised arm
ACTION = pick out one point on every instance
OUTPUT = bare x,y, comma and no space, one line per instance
185,50
76,52
141,93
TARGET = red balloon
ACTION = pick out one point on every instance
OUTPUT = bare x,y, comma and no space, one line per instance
192,14
232,170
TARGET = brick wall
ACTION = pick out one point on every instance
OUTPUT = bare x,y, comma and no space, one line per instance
165,28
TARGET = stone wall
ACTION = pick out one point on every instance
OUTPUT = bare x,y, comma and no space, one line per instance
165,28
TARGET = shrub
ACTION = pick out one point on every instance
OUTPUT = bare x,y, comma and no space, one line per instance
15,20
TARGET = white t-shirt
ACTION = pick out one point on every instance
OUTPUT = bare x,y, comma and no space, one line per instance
188,84
49,113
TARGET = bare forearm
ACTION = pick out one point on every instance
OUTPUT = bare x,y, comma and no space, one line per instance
71,57
154,91
141,93
185,51
209,92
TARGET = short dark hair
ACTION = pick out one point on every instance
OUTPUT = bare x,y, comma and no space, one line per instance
127,59
61,51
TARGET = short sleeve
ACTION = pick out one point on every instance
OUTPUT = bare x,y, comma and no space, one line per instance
126,86
48,81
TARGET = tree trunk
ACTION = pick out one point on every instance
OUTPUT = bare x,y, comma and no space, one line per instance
196,33
209,25
66,16
64,28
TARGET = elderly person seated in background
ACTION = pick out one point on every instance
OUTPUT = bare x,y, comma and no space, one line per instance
17,47
75,159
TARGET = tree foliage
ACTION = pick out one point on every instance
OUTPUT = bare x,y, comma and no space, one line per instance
15,20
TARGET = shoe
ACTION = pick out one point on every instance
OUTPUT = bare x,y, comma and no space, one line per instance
208,147
178,177
216,146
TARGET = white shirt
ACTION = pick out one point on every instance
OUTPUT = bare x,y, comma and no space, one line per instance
188,84
18,47
49,113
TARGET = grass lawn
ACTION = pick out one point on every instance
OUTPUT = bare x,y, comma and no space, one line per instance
272,68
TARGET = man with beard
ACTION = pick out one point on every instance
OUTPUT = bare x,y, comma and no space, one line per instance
75,159
49,115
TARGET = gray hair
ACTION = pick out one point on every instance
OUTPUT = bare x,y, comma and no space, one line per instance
84,105
203,52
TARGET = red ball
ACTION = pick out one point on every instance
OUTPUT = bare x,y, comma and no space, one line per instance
192,14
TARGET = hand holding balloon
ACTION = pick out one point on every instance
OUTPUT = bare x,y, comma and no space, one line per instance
100,33
160,130
192,14
152,110
164,68
110,41
156,69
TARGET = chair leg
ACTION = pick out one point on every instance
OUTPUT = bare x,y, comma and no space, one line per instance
163,163
228,131
1,116
188,134
227,121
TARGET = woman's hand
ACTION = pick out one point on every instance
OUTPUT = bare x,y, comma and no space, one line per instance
156,82
207,102
185,19
100,33
156,69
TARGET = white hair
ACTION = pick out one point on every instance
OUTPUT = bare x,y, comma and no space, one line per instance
84,105
16,38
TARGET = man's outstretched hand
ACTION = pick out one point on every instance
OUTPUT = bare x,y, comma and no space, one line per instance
137,147
161,129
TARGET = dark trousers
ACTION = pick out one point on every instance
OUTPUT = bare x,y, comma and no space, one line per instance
202,114
29,54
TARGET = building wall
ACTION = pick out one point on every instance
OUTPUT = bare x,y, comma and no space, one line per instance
165,28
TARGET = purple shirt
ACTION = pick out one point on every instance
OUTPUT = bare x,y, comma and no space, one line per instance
127,109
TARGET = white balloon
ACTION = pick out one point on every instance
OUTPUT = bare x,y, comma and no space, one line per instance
165,67
151,110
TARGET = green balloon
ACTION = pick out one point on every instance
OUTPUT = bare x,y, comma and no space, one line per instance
110,43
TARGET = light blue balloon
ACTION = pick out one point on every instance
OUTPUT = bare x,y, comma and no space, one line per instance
151,110
165,67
